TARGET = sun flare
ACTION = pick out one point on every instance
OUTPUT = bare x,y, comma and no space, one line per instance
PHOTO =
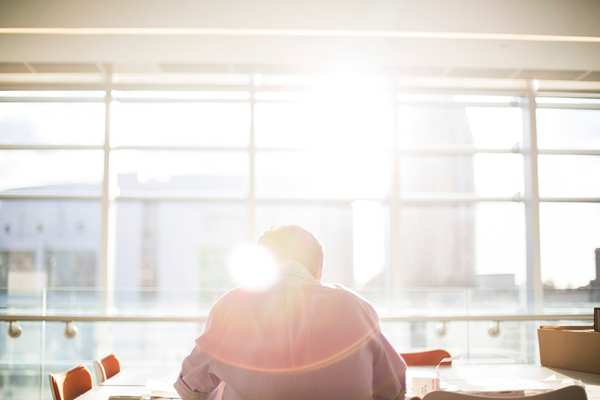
252,267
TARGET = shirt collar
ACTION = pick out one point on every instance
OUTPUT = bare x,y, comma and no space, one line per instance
292,269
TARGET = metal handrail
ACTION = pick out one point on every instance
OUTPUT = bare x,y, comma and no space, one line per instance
203,318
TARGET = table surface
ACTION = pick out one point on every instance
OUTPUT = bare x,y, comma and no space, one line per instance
504,377
103,392
132,381
139,376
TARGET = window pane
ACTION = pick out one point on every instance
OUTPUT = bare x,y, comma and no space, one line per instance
480,127
568,129
409,337
322,175
52,171
480,174
569,235
326,122
192,173
182,245
456,245
52,123
172,124
48,243
569,176
336,227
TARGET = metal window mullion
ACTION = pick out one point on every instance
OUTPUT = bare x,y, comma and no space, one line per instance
568,106
175,100
50,147
570,152
570,200
51,100
450,104
56,196
251,182
393,281
107,223
179,148
453,200
458,151
532,204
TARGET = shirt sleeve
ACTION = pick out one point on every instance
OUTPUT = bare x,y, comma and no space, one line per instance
389,369
196,380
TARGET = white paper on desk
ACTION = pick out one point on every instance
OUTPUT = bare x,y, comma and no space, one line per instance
493,384
161,389
453,358
554,383
593,392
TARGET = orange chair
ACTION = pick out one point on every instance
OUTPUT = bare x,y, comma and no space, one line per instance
422,358
106,368
71,384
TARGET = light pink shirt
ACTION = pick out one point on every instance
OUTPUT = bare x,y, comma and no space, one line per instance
301,339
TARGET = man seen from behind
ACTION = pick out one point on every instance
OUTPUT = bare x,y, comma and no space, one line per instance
298,339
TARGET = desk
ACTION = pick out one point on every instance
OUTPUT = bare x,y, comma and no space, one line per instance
139,376
103,392
132,381
464,375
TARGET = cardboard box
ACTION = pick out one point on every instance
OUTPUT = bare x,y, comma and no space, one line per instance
570,347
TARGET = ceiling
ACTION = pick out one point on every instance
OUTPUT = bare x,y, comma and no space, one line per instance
308,35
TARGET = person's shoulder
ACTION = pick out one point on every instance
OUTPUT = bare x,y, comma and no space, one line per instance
240,299
348,295
234,295
348,299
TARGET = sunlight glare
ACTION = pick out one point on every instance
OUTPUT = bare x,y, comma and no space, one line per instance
253,267
368,243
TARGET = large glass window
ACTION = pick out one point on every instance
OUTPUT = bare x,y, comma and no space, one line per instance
324,174
326,121
193,174
568,129
569,175
479,174
180,124
51,170
187,173
177,245
453,125
52,123
463,245
49,243
570,234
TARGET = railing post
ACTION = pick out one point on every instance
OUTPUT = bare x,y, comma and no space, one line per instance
43,341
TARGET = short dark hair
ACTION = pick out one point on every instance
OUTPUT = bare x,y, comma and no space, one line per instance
291,242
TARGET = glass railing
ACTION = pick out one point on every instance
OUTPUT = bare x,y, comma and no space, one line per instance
459,320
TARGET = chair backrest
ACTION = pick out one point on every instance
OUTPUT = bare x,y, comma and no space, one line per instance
432,357
70,384
98,371
566,393
106,368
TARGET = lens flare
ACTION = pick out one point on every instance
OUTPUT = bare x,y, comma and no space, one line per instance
253,267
